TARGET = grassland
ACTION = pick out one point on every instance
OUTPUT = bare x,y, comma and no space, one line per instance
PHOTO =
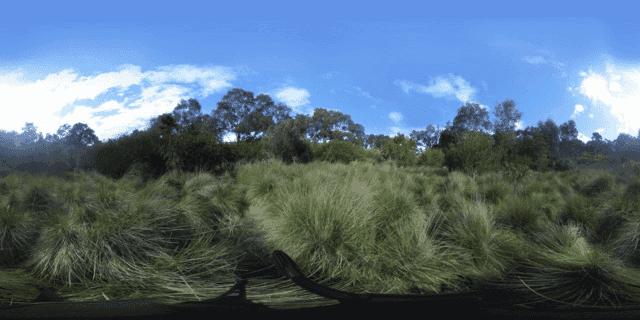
361,227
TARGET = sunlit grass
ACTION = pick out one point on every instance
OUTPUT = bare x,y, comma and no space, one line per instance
370,227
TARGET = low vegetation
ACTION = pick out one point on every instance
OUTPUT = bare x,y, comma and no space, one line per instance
363,221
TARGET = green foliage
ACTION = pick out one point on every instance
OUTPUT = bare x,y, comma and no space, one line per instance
453,160
475,152
517,168
374,154
431,157
170,142
199,151
535,147
564,164
251,149
401,149
286,142
504,143
447,139
339,150
114,158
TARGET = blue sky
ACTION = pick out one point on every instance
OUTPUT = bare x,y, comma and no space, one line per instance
393,67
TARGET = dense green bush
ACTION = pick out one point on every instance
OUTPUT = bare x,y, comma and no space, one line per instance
453,161
251,150
284,142
374,155
401,149
338,151
475,150
517,168
565,164
431,157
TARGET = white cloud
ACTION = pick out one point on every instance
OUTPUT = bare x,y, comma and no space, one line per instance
557,65
449,87
293,97
366,94
329,75
395,116
577,110
53,101
619,90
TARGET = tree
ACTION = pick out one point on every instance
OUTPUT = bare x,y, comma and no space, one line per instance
187,114
598,145
504,126
238,104
355,133
30,134
276,113
401,149
626,146
471,117
474,153
286,140
448,137
170,143
81,136
265,115
533,144
375,141
78,138
507,116
190,122
330,125
551,134
426,138
568,131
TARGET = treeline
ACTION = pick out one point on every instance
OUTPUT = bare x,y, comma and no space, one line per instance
188,140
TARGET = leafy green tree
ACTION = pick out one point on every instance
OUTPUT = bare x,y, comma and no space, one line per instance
339,150
475,152
266,114
507,116
375,141
568,131
401,149
472,117
186,136
190,121
243,114
534,146
426,138
328,125
30,134
447,138
626,146
551,134
598,145
286,141
170,141
504,127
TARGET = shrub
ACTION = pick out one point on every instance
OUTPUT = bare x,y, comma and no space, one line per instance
565,164
400,149
517,168
453,161
374,154
431,157
475,150
339,150
284,142
516,172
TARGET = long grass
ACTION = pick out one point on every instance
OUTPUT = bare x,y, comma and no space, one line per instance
362,227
